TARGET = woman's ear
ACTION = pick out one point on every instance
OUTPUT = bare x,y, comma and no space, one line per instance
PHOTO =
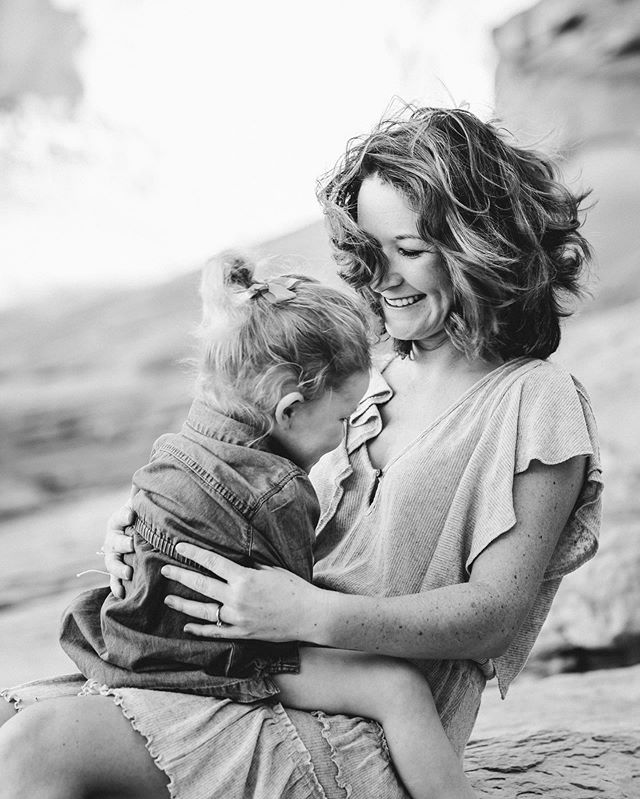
284,408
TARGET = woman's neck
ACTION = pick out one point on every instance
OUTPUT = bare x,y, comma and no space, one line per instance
446,363
443,357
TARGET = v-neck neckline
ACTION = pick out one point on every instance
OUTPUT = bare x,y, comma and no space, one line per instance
474,388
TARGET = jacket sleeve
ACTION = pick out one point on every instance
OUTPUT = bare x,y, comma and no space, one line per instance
284,527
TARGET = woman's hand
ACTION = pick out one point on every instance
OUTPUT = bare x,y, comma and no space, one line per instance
116,544
267,603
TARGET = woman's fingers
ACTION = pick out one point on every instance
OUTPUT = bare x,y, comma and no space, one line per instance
119,571
207,611
116,587
266,603
213,631
117,567
199,610
210,587
122,518
223,567
117,542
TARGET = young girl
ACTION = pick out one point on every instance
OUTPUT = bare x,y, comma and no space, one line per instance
283,365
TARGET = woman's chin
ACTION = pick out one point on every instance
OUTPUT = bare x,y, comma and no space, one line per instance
423,339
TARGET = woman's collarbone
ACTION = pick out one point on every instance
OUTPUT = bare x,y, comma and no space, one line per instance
399,430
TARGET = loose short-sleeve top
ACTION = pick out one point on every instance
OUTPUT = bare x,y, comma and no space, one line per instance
419,523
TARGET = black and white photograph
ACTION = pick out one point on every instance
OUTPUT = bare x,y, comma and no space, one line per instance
319,377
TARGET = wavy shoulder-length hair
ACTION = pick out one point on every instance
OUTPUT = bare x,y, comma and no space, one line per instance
506,229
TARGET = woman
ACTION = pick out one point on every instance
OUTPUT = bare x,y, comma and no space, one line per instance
467,486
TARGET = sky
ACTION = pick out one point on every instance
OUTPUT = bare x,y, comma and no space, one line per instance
205,125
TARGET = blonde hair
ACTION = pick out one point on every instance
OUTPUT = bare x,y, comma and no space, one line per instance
259,340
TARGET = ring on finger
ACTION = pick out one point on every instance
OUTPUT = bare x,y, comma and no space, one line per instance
219,622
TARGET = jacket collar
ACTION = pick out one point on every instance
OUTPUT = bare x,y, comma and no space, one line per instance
206,420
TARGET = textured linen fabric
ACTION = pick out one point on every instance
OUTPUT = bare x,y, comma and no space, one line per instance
418,525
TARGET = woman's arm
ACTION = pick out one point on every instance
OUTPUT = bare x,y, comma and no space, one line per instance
477,619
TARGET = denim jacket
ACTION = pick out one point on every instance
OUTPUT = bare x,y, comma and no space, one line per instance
212,485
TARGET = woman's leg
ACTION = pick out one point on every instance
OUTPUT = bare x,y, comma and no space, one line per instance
73,748
7,711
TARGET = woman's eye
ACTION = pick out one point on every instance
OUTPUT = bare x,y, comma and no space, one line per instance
410,253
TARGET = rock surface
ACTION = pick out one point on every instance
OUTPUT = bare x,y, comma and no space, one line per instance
559,764
597,702
571,735
569,70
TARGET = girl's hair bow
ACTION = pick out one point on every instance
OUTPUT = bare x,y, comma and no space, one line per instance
278,289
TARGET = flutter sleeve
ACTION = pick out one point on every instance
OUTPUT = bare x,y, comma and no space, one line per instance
556,423
545,416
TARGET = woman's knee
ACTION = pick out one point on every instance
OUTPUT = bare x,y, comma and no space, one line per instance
75,747
30,757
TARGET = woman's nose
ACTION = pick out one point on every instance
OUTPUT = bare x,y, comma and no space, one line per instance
386,279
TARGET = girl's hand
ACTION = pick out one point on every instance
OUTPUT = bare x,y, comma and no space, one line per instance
267,603
116,544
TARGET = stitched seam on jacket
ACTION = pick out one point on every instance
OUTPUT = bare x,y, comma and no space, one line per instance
207,479
164,544
277,488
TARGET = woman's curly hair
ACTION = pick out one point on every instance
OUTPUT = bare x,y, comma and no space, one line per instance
507,231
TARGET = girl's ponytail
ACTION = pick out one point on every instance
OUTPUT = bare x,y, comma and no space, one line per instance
224,277
238,270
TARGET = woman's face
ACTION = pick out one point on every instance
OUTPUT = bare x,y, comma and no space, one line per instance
415,291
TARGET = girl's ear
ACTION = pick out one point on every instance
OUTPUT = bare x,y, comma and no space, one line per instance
284,408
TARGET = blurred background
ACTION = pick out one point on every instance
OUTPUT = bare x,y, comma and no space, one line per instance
137,137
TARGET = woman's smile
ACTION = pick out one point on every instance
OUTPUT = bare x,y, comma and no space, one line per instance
403,302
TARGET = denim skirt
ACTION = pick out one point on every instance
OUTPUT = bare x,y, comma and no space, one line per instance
219,749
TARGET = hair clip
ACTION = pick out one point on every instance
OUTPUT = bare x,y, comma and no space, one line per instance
276,290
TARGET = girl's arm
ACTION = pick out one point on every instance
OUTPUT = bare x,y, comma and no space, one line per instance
477,619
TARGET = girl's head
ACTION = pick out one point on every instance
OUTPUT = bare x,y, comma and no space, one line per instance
502,229
288,355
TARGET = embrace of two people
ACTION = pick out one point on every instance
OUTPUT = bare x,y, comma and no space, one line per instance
315,578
